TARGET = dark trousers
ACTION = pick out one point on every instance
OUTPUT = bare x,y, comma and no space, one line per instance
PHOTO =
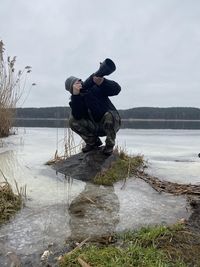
90,131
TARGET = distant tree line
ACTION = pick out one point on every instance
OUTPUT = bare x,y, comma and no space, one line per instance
174,113
50,112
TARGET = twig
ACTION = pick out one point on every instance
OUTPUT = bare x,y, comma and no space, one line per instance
78,247
93,202
83,263
4,176
17,188
169,187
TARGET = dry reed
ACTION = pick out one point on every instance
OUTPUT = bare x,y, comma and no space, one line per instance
12,87
71,147
10,202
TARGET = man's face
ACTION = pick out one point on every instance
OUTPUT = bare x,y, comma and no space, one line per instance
77,86
77,83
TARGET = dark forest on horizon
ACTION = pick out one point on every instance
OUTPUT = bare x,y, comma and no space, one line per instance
171,113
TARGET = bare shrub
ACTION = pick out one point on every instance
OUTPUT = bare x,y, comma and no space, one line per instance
12,87
71,147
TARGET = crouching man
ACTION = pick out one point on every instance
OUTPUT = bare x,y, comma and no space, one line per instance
92,113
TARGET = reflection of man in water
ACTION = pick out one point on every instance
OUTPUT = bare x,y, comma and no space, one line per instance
94,213
93,114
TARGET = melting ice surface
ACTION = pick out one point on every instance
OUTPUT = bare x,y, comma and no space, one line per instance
172,154
45,217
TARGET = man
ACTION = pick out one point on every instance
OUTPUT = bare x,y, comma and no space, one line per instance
92,113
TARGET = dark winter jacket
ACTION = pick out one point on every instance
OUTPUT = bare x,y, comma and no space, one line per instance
93,102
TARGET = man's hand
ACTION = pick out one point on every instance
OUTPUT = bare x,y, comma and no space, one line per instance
77,86
98,80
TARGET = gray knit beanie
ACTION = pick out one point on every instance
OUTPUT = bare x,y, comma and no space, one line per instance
69,83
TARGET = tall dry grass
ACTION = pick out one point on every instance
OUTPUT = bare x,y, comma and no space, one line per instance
10,202
71,147
12,87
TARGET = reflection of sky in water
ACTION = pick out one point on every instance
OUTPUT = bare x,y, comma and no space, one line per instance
171,154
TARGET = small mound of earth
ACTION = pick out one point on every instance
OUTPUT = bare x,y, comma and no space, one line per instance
84,167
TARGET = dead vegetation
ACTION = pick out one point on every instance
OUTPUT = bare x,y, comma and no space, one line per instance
169,187
182,245
12,87
10,202
70,148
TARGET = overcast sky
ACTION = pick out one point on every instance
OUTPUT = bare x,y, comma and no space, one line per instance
154,43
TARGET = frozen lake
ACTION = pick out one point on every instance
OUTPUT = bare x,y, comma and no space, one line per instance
171,155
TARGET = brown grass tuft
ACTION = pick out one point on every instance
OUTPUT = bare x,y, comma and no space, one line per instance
12,87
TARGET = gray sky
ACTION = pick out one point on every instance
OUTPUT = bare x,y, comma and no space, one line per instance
154,43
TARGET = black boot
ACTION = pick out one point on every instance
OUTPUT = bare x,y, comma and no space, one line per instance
98,142
88,148
108,150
